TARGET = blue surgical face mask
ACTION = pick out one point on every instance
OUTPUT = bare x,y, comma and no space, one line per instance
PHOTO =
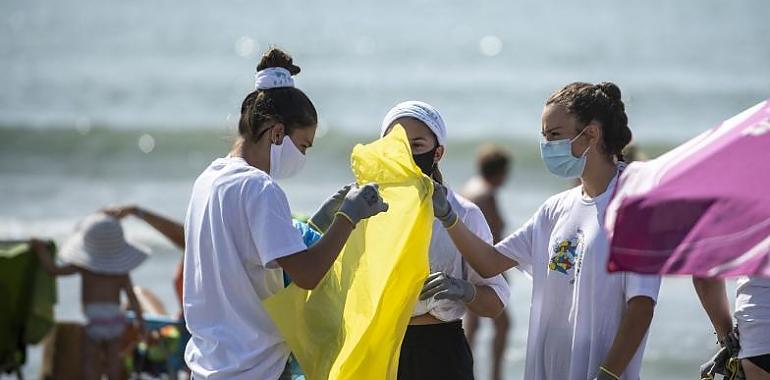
559,160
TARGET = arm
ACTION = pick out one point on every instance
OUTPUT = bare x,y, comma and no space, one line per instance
46,261
323,218
179,286
633,327
486,303
133,302
713,298
481,299
307,268
492,293
172,230
484,258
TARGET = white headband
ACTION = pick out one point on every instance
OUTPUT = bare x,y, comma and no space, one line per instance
273,77
421,111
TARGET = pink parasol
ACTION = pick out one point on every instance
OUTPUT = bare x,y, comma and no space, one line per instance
701,209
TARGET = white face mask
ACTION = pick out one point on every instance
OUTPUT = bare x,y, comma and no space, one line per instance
286,160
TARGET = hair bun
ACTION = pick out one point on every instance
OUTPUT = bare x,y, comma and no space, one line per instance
276,57
611,90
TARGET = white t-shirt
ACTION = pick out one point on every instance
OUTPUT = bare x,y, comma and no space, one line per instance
238,222
576,304
444,257
752,311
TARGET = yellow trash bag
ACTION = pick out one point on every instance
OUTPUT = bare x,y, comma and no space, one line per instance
352,325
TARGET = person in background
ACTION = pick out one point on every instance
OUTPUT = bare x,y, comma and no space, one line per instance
99,253
493,164
239,237
750,340
585,323
435,346
174,232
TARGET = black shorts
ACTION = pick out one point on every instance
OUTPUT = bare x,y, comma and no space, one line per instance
437,352
761,361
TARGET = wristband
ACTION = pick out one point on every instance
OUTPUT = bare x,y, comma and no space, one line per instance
454,223
608,372
313,226
340,213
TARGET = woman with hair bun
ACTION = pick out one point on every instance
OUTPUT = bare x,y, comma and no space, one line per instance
239,237
585,323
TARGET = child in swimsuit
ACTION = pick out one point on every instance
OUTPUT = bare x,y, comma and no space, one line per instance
99,253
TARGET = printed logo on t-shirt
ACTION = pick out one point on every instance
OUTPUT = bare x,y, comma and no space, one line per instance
565,254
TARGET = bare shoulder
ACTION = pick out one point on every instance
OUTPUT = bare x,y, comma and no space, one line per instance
475,190
467,206
484,201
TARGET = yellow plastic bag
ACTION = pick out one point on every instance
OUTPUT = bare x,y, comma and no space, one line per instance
352,325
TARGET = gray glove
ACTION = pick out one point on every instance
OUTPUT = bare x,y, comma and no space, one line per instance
443,287
441,207
324,217
725,362
361,203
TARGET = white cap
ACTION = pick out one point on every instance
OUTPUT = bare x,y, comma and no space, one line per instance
421,111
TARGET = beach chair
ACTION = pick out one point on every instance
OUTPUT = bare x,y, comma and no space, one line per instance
28,295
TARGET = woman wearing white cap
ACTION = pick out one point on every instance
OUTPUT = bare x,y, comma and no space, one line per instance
435,346
240,238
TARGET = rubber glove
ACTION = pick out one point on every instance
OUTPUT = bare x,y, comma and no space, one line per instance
323,218
441,207
444,287
361,203
725,362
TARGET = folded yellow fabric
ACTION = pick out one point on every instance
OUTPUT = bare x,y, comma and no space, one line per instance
352,325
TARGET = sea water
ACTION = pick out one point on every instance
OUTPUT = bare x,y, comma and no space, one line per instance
107,102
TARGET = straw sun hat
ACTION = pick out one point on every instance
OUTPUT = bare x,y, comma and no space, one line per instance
99,246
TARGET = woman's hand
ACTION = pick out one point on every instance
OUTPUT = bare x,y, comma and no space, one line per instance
362,203
442,209
323,218
120,212
441,286
633,327
45,256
